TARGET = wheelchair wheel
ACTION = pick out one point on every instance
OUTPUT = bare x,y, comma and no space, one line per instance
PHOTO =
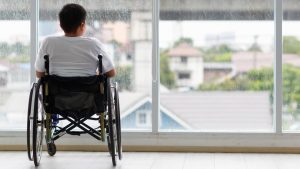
118,121
111,127
38,124
30,123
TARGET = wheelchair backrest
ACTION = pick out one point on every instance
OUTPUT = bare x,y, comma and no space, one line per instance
74,94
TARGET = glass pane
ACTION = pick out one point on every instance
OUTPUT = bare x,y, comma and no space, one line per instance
124,28
14,63
216,61
291,66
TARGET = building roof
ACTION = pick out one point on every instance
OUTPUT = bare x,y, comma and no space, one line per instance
215,110
184,49
130,99
245,61
218,65
235,110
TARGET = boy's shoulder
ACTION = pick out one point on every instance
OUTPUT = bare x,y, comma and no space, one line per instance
54,39
50,39
92,39
71,38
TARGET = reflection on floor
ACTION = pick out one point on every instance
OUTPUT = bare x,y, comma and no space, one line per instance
134,160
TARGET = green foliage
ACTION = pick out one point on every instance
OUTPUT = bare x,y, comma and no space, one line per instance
223,48
20,59
225,57
4,49
17,52
255,80
221,53
291,81
262,80
123,77
291,45
183,40
167,77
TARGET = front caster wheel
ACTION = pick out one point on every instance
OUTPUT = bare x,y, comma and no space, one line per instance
51,149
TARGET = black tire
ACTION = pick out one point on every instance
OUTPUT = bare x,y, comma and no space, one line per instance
111,141
118,121
38,125
51,149
108,143
30,123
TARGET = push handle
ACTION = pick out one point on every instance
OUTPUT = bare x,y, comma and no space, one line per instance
100,64
100,73
46,57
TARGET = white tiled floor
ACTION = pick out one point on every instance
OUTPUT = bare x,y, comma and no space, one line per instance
137,160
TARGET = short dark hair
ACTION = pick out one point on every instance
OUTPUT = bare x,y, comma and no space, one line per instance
71,16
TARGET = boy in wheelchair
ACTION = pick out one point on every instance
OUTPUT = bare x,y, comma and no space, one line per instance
74,85
72,54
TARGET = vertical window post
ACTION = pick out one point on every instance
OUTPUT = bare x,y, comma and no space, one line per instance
278,67
155,66
34,17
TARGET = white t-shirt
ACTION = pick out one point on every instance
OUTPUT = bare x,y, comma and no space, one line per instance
72,56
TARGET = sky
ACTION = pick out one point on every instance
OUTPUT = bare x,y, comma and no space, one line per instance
203,33
240,33
13,31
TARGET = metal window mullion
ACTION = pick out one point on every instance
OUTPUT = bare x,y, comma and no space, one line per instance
155,66
278,66
34,17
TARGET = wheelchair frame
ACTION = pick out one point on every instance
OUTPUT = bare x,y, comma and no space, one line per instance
38,119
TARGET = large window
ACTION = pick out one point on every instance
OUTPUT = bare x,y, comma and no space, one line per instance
224,82
14,63
216,65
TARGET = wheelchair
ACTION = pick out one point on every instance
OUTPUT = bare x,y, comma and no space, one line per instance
75,100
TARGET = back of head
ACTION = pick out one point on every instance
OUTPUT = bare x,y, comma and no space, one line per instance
71,17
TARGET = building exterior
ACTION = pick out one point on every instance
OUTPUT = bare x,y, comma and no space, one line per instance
187,63
141,40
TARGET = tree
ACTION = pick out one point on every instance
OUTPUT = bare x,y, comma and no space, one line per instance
4,49
219,53
223,48
255,80
262,80
167,77
18,52
20,49
254,48
123,77
183,40
291,45
291,89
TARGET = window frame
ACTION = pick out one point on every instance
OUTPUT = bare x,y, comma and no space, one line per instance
275,138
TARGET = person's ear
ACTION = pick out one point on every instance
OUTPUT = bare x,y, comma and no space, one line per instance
82,26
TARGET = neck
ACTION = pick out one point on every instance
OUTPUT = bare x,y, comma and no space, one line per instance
73,34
